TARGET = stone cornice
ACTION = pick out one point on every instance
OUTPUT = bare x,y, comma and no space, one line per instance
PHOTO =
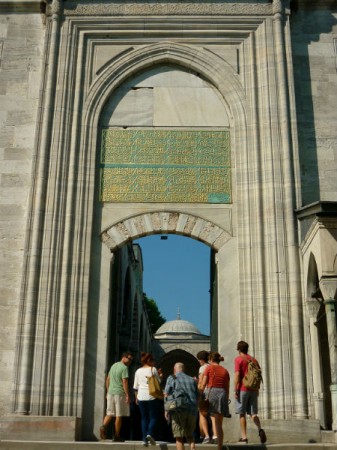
313,4
173,7
318,209
21,6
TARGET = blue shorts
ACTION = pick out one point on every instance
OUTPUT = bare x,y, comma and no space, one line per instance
247,404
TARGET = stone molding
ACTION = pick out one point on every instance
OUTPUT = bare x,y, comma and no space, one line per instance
143,8
206,63
164,223
60,258
19,6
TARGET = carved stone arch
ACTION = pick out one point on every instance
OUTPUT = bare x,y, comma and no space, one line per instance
165,222
210,66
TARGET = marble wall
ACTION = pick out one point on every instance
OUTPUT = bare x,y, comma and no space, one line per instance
21,61
266,73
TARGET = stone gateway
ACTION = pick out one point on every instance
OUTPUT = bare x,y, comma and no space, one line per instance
215,120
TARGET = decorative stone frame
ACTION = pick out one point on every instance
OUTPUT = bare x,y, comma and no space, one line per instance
62,250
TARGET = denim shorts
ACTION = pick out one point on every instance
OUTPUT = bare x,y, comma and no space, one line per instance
247,404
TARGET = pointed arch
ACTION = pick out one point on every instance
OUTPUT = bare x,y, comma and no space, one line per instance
203,62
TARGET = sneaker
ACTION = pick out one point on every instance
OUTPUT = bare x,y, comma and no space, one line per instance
215,440
243,441
206,440
117,439
150,440
102,433
145,444
263,436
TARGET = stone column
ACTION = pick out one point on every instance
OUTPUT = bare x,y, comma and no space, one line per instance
26,346
300,406
313,306
328,286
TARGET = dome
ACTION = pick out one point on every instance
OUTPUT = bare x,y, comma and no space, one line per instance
177,326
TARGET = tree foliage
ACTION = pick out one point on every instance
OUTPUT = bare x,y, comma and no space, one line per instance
156,319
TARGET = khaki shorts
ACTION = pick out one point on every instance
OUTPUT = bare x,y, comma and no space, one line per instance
117,406
183,425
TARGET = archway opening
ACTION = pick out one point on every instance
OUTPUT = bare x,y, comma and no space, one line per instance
163,268
320,349
176,275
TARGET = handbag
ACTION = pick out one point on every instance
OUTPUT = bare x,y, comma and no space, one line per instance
174,404
154,387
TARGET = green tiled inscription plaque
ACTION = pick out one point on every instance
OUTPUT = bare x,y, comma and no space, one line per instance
165,166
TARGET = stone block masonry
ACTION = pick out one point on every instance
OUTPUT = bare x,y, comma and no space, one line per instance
21,56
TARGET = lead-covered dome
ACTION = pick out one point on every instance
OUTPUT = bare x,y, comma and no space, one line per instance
177,326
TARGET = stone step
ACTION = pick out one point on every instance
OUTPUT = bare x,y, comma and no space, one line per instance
136,445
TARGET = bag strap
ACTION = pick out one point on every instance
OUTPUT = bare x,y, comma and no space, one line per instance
251,359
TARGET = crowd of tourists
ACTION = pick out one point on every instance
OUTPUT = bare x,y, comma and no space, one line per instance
185,400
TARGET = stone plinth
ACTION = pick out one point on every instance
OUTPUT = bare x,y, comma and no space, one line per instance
278,431
40,428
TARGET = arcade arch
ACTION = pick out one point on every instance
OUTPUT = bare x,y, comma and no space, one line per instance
169,359
318,313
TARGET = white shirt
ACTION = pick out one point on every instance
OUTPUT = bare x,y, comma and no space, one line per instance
141,384
203,368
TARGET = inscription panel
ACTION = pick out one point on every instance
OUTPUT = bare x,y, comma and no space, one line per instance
177,166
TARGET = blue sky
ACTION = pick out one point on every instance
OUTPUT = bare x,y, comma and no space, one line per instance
176,275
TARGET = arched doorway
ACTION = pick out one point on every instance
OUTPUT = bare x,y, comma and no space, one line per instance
169,359
321,366
128,218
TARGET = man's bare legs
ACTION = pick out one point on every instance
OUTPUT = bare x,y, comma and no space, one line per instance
180,443
102,430
118,426
107,420
257,422
243,426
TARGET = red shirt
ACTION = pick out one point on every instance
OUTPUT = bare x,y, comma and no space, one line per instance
217,377
241,366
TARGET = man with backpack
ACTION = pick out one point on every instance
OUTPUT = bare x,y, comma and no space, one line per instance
183,414
247,379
